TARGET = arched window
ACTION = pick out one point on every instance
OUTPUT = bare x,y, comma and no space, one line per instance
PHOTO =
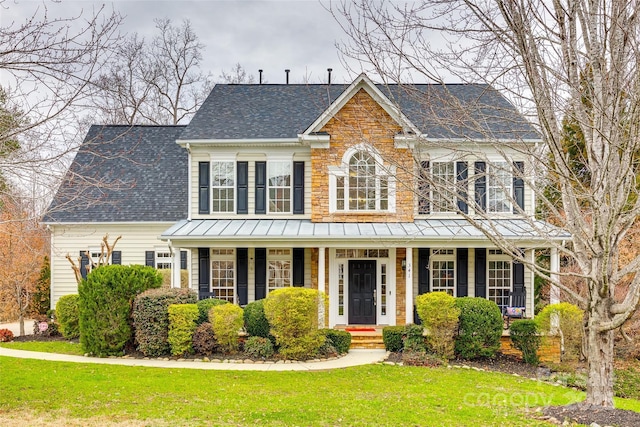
362,184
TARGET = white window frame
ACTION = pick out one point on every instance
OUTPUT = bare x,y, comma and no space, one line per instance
499,183
342,173
441,186
163,256
496,283
227,256
274,201
227,187
439,256
279,268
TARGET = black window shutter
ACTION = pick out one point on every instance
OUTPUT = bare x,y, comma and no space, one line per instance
298,267
481,186
84,264
424,207
150,258
183,260
423,270
298,187
242,265
462,267
243,187
261,188
116,257
203,185
461,184
261,273
204,287
518,277
481,273
518,186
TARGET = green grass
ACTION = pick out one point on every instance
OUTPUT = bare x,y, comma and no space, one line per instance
368,395
62,347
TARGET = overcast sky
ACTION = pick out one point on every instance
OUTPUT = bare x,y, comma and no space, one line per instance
272,35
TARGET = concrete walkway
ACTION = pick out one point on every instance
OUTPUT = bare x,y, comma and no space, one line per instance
355,357
15,327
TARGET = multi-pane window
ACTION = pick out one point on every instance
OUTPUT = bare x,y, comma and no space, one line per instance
279,179
223,274
443,188
499,274
383,289
443,267
363,186
341,289
223,186
499,187
163,260
278,269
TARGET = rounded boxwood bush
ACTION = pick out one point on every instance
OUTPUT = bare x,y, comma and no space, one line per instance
68,316
479,329
227,320
569,318
105,301
439,316
340,340
151,318
255,321
413,336
204,307
524,336
293,316
392,338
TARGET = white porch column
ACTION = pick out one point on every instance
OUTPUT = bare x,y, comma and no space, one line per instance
554,292
409,286
321,286
175,269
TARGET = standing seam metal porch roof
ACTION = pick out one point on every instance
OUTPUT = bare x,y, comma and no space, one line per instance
276,229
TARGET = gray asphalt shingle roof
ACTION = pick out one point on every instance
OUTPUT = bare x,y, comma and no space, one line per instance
283,111
123,174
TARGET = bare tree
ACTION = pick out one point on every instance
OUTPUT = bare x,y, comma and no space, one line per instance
154,82
237,75
565,59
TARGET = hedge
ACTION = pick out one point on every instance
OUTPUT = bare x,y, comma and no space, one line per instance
479,329
293,316
227,321
105,300
341,340
439,316
68,316
569,318
151,318
524,336
205,305
392,338
255,321
182,325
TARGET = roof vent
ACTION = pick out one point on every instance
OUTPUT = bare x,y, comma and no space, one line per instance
329,70
287,73
260,76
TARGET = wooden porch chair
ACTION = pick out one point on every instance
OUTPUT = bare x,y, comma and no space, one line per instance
516,308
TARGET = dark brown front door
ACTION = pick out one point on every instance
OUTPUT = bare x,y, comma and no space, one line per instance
362,290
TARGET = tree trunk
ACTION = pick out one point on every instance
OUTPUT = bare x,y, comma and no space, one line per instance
600,367
21,320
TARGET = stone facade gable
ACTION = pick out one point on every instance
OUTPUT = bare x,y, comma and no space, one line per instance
361,121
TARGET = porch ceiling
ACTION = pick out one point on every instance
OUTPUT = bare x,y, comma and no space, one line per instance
313,234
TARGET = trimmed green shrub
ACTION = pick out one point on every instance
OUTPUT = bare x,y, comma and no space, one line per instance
293,316
413,339
479,329
151,318
227,320
340,340
258,347
569,327
68,315
182,325
439,316
106,297
524,336
204,340
392,338
255,321
205,306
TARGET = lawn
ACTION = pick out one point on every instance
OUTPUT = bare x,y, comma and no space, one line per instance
381,395
61,347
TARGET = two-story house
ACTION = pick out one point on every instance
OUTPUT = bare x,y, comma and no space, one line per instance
369,193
